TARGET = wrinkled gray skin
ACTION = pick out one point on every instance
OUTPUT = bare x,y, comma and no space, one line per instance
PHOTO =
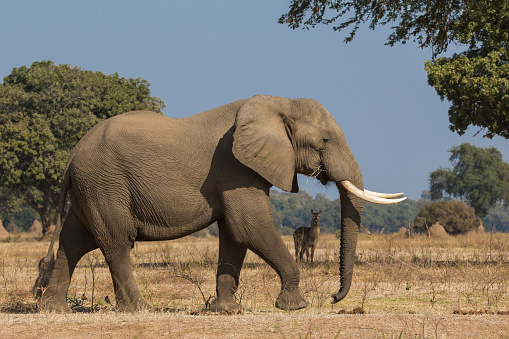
141,176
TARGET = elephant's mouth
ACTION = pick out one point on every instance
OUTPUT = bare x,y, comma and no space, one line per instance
322,176
324,179
319,172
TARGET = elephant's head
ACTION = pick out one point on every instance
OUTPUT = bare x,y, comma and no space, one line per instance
279,137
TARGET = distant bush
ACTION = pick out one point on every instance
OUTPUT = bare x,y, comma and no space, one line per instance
455,216
497,218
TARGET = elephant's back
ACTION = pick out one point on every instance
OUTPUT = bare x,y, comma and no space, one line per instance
130,122
115,129
140,144
140,163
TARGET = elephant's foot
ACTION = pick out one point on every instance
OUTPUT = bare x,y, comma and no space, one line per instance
226,306
290,300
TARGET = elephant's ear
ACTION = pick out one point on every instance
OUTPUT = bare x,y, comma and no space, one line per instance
262,143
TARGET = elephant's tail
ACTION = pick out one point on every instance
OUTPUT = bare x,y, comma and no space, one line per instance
46,263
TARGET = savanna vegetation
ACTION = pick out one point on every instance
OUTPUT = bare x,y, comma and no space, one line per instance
455,216
417,287
44,110
479,176
422,284
293,210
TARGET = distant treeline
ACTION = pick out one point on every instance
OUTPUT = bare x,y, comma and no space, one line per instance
293,210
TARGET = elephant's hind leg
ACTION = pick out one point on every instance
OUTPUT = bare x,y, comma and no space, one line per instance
231,258
75,242
127,294
115,234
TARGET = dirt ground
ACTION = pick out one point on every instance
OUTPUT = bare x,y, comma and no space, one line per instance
409,288
260,325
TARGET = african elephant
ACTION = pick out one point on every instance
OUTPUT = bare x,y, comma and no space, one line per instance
141,176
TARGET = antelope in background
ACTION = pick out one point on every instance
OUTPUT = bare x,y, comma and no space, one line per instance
306,238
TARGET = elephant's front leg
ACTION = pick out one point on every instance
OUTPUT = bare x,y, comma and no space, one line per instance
249,220
231,258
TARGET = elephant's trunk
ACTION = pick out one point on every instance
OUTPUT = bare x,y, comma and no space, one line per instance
351,213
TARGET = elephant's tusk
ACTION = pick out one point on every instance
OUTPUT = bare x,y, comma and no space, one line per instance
383,195
364,195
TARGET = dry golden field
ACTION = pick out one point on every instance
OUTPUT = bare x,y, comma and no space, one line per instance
454,287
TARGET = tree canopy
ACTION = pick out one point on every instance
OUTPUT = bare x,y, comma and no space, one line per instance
14,209
44,110
479,175
455,216
475,81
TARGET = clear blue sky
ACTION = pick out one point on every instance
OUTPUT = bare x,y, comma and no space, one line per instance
198,55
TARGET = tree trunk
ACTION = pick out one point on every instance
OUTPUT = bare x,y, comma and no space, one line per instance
43,209
46,212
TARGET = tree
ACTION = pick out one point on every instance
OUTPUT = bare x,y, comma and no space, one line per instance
14,208
497,219
479,175
290,211
475,81
455,216
44,110
477,86
389,218
10,202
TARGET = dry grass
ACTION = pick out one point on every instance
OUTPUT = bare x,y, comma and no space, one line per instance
418,287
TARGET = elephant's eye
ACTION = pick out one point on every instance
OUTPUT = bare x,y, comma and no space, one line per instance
325,140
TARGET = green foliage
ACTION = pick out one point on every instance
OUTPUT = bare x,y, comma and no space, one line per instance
455,216
474,81
497,219
290,214
14,208
22,218
477,87
434,24
479,176
294,210
389,218
291,211
44,110
10,202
